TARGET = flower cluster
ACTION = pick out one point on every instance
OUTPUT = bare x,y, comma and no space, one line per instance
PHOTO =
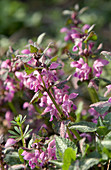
37,74
62,98
38,157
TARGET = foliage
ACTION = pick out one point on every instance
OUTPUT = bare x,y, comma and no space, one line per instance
64,134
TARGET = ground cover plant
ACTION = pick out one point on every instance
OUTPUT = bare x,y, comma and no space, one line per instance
55,101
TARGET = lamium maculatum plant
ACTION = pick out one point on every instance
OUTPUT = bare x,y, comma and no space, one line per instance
56,102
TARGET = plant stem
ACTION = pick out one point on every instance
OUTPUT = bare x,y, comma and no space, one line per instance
54,102
23,140
70,135
108,164
76,134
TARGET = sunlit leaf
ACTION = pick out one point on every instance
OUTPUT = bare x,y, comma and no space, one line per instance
83,126
17,129
40,38
29,69
33,49
69,155
24,58
91,28
101,107
92,36
20,151
13,133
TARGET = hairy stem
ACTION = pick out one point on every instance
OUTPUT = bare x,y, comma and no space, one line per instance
60,113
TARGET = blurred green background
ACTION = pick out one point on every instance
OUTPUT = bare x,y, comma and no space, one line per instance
21,20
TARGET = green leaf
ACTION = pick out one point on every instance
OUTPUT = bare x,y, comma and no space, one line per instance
12,158
36,96
93,95
28,133
59,164
92,36
101,107
78,111
106,144
102,130
107,118
91,28
53,59
25,58
28,69
14,137
40,38
69,155
61,145
26,129
4,74
106,154
20,151
24,119
83,10
85,164
19,118
100,122
17,129
30,143
33,49
108,136
13,133
105,80
67,12
13,122
83,126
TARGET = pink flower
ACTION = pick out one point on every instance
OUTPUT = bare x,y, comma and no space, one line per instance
10,142
30,107
67,104
82,69
25,51
85,27
8,117
52,150
73,95
98,65
109,100
108,90
54,65
95,114
68,32
75,35
6,64
19,75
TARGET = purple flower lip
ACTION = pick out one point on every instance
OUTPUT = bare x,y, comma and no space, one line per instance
10,142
